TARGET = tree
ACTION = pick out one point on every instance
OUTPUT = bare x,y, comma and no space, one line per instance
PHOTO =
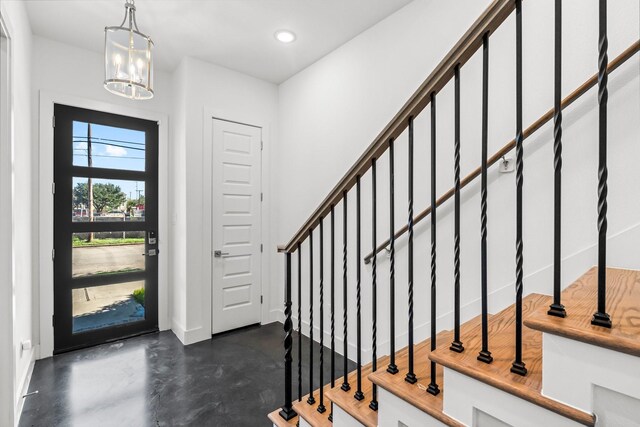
80,195
107,197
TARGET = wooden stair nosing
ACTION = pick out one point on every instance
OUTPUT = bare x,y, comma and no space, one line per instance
310,412
277,420
580,301
358,409
497,374
412,393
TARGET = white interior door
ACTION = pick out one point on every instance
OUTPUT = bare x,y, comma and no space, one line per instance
236,225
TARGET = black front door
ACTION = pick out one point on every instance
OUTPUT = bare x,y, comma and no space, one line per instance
105,227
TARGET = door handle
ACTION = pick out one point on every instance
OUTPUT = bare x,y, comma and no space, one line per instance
220,254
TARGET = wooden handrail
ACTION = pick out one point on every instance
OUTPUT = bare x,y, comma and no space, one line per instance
572,97
470,42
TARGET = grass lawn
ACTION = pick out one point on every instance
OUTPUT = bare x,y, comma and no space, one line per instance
79,243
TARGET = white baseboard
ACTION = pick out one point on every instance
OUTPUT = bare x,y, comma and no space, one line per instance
189,336
23,385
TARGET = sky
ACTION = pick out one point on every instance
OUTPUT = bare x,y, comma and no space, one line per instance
113,148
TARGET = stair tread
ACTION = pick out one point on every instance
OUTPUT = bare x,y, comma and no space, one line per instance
580,301
310,412
415,394
501,345
281,422
358,409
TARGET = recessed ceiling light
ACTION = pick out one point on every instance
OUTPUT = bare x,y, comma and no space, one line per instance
285,36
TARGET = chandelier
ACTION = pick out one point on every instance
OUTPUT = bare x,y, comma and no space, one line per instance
128,64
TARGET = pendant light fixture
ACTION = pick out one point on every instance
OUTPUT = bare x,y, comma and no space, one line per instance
128,61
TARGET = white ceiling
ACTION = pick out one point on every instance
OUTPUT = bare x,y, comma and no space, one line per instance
237,34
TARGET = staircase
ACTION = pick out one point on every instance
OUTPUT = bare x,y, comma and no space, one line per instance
570,357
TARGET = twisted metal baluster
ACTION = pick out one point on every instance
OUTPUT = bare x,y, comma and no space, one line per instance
299,322
456,345
392,368
485,354
411,376
321,407
433,385
374,291
518,366
556,308
601,317
333,302
359,395
311,400
345,385
287,411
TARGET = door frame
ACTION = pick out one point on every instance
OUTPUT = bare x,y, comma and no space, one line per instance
45,204
209,114
9,408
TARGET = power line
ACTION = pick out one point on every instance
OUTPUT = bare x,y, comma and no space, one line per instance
113,145
112,140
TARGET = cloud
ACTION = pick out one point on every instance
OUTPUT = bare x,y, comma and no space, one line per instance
81,145
112,150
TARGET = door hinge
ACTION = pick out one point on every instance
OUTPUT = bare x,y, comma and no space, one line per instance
53,254
53,121
261,299
261,197
53,320
53,188
261,247
261,145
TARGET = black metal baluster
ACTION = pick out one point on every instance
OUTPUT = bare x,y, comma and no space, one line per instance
485,354
311,400
411,376
433,385
601,317
321,407
299,322
518,366
345,385
333,302
287,411
392,368
359,395
456,345
556,308
374,291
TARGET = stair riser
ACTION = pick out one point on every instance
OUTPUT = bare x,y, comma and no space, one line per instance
394,410
571,369
464,395
342,419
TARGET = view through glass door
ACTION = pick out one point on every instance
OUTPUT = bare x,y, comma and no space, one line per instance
105,227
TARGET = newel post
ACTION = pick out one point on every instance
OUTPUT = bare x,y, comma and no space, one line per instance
287,411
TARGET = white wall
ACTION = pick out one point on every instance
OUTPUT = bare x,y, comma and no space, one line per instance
17,22
332,110
204,90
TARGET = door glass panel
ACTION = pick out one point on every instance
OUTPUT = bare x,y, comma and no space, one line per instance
107,253
108,147
112,200
104,306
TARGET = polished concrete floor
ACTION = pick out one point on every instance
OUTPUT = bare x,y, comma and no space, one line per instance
233,380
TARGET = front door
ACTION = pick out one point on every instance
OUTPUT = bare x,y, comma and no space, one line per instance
105,225
236,225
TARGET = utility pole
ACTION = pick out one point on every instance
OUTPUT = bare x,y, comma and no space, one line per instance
89,180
